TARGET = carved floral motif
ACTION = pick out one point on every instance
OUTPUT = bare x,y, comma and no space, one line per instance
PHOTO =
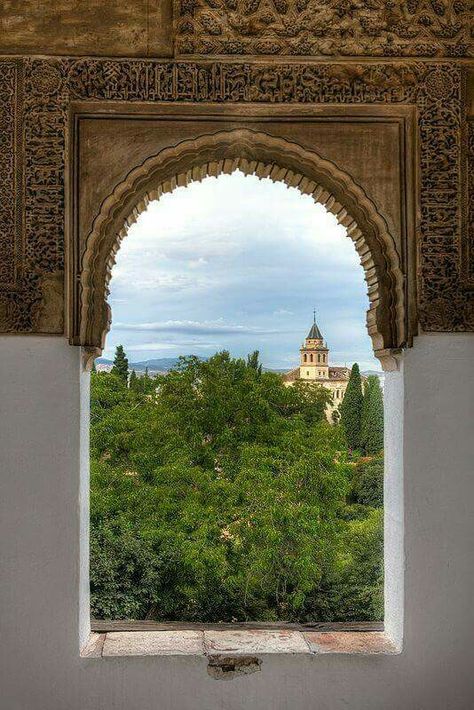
468,243
353,28
8,175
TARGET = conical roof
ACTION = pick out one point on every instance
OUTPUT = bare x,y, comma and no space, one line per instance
314,333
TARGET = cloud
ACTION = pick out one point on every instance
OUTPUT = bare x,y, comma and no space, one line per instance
145,347
196,263
194,327
283,312
176,347
150,278
238,263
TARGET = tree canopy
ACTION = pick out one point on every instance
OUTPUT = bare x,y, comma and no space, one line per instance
371,428
219,494
351,408
120,366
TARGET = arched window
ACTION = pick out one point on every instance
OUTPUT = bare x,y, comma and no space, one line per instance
194,309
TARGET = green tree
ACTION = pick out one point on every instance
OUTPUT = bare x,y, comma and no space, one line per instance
372,424
120,366
146,384
218,495
351,408
313,400
133,380
352,588
253,361
367,482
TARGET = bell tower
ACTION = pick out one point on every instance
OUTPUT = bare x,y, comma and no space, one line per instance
314,355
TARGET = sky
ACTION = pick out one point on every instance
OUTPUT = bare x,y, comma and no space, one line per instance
238,263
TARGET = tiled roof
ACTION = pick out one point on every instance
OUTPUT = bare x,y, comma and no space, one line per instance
314,333
292,375
339,373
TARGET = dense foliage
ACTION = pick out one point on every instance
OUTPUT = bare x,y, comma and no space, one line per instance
217,493
371,425
120,366
351,409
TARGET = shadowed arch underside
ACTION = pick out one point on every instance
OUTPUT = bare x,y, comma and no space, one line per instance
254,153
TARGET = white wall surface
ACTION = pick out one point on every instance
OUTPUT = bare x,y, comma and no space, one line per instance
40,530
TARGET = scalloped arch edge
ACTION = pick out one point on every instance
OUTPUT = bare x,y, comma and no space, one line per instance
263,155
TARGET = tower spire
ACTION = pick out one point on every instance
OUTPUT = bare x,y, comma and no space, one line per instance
314,333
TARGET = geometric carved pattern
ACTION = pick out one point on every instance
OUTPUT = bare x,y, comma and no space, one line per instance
444,301
9,80
44,125
444,304
406,28
469,241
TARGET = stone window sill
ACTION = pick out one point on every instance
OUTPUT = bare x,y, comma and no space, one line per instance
235,643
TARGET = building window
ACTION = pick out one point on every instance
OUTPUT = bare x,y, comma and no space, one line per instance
311,357
305,357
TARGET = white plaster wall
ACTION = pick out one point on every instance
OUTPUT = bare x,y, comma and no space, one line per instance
41,594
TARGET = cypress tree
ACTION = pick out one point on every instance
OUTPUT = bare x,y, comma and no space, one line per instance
146,382
372,417
253,361
351,408
120,366
133,380
364,419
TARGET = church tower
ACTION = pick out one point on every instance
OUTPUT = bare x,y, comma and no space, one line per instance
314,355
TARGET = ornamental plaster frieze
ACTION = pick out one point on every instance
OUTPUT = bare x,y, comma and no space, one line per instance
36,96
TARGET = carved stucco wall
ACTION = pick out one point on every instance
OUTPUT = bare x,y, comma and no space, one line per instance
35,98
389,28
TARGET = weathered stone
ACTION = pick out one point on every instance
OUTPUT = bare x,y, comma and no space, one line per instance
93,647
153,643
117,27
347,642
243,641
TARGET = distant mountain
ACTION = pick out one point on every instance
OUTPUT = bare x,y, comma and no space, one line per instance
377,373
103,361
161,364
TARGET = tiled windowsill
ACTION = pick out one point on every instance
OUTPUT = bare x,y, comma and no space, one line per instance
235,643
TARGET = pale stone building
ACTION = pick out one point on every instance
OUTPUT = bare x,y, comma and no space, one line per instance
314,366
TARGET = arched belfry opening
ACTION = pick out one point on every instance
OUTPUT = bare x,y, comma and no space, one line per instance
253,153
